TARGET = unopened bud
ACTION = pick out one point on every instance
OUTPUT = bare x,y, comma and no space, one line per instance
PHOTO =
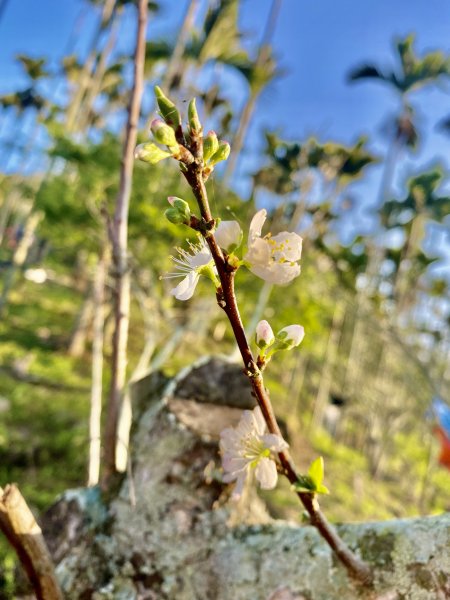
167,108
264,335
290,337
174,216
222,153
194,122
181,206
210,145
163,133
150,153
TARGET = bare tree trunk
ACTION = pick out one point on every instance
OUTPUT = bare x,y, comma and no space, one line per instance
97,370
24,534
249,108
77,341
7,207
238,141
119,240
97,77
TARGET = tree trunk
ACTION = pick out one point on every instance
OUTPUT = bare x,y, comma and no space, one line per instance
119,240
85,75
97,370
238,141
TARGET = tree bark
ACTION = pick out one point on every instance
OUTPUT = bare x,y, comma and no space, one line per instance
119,235
97,370
24,534
184,540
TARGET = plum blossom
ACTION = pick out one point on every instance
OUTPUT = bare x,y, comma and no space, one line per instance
264,335
228,234
190,265
273,258
290,336
248,447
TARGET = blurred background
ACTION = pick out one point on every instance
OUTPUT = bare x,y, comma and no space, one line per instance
339,119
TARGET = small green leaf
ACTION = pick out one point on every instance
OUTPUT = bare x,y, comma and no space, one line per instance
316,471
312,482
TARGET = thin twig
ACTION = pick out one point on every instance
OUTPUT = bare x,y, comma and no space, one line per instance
226,299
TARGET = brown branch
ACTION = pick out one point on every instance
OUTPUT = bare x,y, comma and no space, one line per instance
226,299
24,534
119,241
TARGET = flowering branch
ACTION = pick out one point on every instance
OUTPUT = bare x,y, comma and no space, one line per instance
275,260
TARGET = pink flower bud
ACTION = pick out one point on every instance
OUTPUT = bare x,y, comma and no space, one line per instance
264,335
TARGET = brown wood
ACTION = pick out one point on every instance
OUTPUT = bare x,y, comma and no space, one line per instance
24,534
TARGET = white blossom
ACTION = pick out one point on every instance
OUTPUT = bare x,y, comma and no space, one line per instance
248,447
190,265
292,335
273,258
228,234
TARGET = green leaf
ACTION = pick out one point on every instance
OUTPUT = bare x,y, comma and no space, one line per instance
312,482
316,471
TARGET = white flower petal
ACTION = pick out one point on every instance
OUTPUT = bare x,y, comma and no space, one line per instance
260,424
258,253
246,447
289,246
228,233
257,223
294,334
185,289
274,442
276,273
239,487
201,258
273,258
266,473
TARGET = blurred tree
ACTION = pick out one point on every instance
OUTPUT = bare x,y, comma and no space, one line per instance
411,74
411,215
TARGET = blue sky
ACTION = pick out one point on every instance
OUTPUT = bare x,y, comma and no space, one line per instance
317,43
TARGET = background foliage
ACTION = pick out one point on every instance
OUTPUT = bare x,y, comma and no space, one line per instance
375,309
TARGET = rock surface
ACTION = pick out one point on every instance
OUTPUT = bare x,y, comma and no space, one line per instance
170,534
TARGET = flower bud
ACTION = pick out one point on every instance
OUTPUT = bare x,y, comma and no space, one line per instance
150,153
194,122
182,208
174,216
264,335
290,337
222,153
210,145
167,108
163,133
